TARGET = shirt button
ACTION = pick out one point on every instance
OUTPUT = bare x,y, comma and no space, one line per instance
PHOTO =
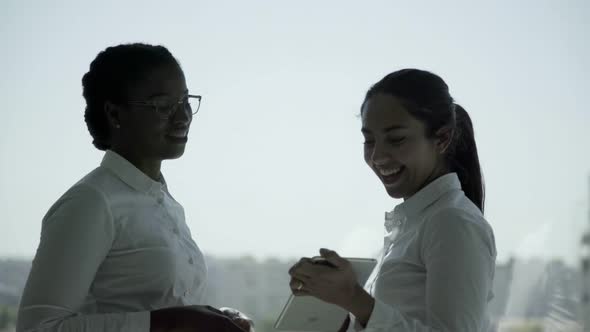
175,230
160,200
190,261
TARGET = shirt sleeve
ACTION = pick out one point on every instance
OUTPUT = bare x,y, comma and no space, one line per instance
459,253
76,236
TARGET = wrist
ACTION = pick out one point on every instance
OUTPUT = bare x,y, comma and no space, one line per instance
361,305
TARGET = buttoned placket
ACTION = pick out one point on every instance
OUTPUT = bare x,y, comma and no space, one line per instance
394,225
159,193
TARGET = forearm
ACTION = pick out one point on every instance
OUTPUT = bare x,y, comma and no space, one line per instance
158,321
171,318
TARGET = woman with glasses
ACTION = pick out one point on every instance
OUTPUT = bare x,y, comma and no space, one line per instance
115,252
438,260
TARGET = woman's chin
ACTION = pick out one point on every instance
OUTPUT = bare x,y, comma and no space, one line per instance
173,153
394,192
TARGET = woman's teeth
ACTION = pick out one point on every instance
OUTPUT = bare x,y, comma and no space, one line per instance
389,171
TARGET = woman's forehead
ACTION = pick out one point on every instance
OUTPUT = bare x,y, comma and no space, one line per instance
383,112
160,81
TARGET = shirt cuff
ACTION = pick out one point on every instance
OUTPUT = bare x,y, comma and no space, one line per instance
138,321
383,318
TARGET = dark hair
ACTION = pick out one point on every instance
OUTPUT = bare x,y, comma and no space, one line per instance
111,74
426,96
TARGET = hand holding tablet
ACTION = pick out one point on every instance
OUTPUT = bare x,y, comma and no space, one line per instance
321,287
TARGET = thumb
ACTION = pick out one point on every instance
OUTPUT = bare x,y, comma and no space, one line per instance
332,257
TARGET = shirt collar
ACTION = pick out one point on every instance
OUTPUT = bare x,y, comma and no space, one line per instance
130,174
422,199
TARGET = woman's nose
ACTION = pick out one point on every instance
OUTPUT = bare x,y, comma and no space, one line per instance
182,117
380,155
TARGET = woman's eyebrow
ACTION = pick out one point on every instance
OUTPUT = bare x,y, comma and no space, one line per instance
387,129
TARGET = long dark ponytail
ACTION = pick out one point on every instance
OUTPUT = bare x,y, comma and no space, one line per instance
464,158
427,97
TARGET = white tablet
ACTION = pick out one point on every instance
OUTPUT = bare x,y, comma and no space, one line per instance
306,313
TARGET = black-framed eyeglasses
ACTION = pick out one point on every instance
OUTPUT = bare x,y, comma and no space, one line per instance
166,109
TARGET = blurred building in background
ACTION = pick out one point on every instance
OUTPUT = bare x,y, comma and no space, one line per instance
585,296
260,288
531,295
585,268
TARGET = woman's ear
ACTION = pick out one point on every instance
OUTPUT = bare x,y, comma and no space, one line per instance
444,137
112,112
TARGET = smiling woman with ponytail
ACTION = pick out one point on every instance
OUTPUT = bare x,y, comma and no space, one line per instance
437,267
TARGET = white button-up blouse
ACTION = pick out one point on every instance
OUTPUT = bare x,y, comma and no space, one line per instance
114,247
438,265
